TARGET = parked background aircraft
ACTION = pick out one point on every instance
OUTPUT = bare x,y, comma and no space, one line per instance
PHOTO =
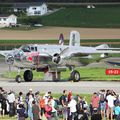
47,58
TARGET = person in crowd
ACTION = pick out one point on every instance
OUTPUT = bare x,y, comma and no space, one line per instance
69,96
35,111
96,115
95,101
46,98
27,96
42,105
85,104
11,101
37,97
117,101
102,103
85,114
117,111
64,103
110,98
48,110
69,99
21,112
66,106
1,99
72,105
30,114
20,97
54,108
79,108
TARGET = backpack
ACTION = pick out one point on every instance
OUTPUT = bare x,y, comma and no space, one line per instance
60,100
55,105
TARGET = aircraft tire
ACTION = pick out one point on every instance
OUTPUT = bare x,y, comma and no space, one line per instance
28,75
75,76
18,78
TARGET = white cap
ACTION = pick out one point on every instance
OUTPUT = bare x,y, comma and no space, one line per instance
30,89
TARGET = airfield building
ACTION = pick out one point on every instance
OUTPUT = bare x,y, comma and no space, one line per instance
31,9
8,20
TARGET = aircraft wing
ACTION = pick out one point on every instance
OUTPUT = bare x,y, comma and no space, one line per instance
89,50
5,53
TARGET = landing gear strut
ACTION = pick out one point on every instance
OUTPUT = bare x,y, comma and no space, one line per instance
28,75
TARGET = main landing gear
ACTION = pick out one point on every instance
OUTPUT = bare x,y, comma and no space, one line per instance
28,76
75,76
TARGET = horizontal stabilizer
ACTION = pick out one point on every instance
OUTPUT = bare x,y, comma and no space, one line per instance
103,46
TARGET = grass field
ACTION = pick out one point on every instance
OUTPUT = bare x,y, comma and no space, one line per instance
101,17
9,44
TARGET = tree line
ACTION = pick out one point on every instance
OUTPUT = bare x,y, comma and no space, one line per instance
59,1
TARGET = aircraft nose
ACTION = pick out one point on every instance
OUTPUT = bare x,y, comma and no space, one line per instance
18,54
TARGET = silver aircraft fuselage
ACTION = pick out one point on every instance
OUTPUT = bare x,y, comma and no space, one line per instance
34,56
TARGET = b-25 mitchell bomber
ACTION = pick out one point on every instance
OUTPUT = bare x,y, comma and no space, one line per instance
47,58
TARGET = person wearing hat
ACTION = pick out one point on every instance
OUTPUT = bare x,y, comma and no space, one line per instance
27,97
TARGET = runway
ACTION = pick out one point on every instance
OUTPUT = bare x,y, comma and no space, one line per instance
87,87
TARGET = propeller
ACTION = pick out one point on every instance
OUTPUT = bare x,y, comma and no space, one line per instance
9,59
57,57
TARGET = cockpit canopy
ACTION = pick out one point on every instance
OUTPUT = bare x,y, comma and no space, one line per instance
29,48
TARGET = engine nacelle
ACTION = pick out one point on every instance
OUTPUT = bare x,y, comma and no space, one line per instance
56,58
9,59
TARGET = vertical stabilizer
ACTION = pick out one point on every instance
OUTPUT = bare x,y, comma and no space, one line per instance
74,38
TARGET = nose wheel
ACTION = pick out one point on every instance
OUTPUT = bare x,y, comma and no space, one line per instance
18,78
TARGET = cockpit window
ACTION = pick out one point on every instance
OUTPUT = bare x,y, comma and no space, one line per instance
26,48
32,49
36,49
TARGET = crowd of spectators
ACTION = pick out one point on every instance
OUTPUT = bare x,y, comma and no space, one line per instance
104,104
